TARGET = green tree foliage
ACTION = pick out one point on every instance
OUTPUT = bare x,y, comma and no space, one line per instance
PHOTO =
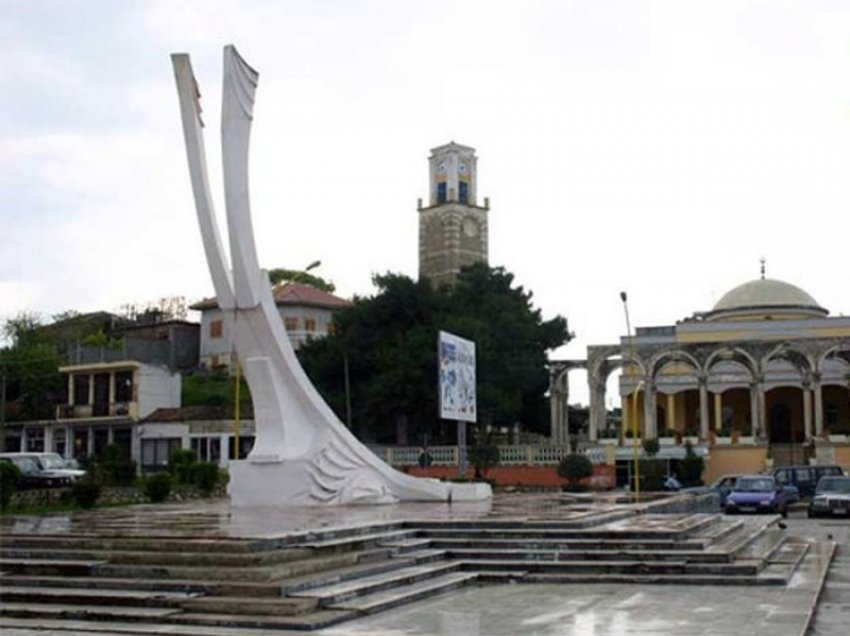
691,467
158,487
282,275
30,365
9,477
483,456
181,465
575,467
390,342
651,446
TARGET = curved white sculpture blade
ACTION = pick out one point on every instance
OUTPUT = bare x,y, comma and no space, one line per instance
303,455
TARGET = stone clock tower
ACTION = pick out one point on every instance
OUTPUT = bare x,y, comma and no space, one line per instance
453,227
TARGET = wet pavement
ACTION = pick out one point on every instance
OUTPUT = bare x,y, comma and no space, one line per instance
538,609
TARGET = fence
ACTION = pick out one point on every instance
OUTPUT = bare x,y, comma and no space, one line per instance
517,455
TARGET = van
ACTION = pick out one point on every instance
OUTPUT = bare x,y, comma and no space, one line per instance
805,478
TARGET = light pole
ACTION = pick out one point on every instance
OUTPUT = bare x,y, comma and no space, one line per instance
635,448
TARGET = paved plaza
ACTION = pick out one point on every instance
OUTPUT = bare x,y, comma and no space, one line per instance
488,609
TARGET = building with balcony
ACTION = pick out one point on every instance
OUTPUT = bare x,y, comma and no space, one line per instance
306,313
104,402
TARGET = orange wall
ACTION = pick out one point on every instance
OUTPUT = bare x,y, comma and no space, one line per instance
546,476
734,459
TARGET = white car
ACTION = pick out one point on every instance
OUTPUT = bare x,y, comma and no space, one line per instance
50,464
832,497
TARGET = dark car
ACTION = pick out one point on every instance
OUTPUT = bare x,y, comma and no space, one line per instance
832,497
757,493
33,477
805,478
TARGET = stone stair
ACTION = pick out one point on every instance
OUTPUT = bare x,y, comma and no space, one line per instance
311,580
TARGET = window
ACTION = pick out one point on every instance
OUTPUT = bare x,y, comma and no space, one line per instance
831,416
309,324
463,192
35,440
441,192
216,329
155,452
290,323
207,449
59,444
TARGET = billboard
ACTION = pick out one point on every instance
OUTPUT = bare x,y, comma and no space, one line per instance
457,378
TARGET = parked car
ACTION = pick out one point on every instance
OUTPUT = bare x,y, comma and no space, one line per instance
50,463
832,497
757,493
805,478
722,487
31,475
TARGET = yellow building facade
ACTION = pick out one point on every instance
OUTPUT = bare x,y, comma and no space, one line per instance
766,366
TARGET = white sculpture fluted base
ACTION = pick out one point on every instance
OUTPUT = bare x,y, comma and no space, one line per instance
271,483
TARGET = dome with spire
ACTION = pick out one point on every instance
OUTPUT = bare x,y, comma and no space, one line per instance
766,298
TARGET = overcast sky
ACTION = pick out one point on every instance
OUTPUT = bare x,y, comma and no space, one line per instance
656,147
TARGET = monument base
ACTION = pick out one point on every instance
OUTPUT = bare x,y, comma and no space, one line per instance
270,482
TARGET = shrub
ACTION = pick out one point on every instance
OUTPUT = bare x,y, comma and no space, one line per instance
180,464
116,467
158,487
574,468
483,457
86,493
651,447
205,476
9,476
691,467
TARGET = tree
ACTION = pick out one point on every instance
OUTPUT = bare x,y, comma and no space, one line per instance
575,467
282,275
390,339
30,369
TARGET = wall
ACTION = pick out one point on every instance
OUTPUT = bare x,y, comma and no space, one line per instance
157,388
541,476
724,460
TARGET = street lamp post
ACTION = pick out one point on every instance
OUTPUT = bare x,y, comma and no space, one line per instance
635,448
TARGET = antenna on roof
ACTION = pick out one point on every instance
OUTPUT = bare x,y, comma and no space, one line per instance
762,260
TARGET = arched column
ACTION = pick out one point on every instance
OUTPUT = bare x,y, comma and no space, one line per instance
559,392
650,414
817,389
807,410
703,408
755,419
597,405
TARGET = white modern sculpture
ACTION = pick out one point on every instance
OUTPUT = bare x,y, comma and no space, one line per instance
303,455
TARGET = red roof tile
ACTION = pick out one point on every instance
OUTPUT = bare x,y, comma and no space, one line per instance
289,293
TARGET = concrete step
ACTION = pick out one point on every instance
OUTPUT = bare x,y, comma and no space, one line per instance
211,588
133,544
358,541
240,559
520,550
742,569
248,605
243,574
333,595
306,622
387,599
69,567
73,596
10,626
96,613
650,579
302,584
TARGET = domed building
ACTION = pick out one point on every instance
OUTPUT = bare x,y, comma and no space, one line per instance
766,367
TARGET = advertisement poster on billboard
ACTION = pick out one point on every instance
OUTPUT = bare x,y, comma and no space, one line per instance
457,378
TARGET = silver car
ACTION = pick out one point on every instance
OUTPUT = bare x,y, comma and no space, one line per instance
832,497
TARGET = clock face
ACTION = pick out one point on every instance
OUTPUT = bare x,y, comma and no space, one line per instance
441,167
462,168
470,227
